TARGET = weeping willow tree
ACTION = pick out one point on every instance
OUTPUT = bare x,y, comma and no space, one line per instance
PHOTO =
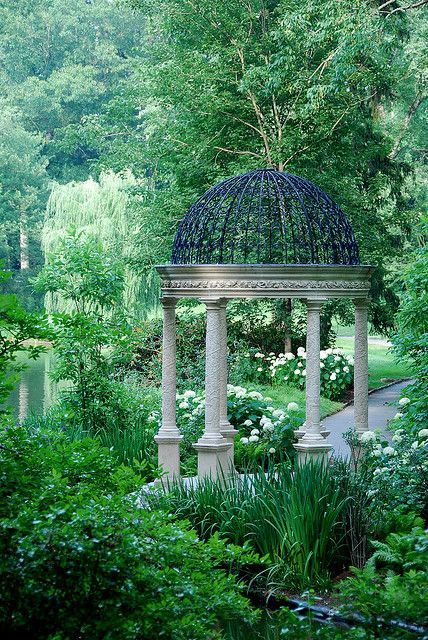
102,209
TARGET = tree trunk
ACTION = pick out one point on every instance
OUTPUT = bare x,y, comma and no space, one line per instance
287,325
23,241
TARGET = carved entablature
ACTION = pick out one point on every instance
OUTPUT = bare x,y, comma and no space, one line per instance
256,281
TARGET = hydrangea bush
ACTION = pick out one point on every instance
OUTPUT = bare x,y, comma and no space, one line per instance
399,468
265,432
337,370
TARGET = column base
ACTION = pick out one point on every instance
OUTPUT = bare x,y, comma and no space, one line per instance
213,458
299,433
228,432
169,455
316,449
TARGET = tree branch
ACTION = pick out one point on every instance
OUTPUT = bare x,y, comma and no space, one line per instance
413,107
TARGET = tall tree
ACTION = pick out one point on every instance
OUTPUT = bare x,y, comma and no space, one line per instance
23,185
99,210
299,85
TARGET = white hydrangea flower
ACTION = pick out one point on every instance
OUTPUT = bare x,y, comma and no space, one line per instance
286,378
301,351
423,433
322,365
300,364
397,438
184,405
244,440
346,369
389,451
248,423
277,413
376,453
403,401
272,450
258,355
323,355
256,395
304,372
289,356
329,351
297,372
268,428
333,376
292,406
253,438
259,368
397,416
336,358
189,394
255,432
368,436
337,370
350,360
415,444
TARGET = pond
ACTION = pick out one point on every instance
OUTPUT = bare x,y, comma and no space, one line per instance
35,391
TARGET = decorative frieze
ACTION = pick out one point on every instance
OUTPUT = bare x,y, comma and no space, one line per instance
267,284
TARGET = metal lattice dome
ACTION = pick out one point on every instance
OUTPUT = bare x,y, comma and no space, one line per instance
265,217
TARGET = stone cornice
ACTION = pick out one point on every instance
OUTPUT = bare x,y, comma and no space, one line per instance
247,281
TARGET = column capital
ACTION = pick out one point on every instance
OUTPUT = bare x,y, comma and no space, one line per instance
362,303
168,303
314,303
213,303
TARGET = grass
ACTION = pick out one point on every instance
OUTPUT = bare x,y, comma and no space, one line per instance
283,394
383,367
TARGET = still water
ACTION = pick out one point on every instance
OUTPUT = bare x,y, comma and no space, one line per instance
35,392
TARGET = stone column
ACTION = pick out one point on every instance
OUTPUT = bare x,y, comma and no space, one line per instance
361,367
168,438
226,429
212,447
313,444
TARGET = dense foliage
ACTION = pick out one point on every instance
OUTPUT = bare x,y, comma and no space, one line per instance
79,557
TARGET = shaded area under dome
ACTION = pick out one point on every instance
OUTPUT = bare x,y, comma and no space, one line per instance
265,217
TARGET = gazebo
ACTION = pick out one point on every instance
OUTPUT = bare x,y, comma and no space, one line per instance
262,234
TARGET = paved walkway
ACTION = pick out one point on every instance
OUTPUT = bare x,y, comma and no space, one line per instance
383,405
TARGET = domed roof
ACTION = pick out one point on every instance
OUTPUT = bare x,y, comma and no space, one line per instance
265,217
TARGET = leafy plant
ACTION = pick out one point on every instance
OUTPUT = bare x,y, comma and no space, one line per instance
294,518
81,558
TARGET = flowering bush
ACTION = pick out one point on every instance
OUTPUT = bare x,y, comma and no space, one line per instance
337,370
264,431
399,469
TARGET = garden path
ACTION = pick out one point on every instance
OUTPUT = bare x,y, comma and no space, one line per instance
383,405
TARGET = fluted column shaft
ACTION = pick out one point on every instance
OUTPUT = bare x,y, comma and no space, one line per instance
313,443
361,367
226,429
313,345
212,447
168,437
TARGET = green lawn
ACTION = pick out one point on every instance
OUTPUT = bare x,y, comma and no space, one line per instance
383,367
283,394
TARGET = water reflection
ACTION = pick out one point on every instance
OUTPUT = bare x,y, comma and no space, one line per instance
35,392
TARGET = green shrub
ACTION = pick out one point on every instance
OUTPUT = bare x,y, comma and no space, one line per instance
399,470
265,432
394,582
81,559
410,341
337,370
